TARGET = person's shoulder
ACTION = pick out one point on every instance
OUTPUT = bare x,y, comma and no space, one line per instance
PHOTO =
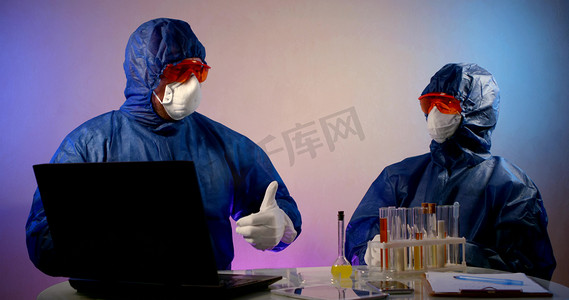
407,167
420,157
99,125
505,170
503,163
411,162
215,126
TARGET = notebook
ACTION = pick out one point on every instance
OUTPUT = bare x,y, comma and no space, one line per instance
133,226
500,285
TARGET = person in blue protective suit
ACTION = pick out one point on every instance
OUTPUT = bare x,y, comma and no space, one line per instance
165,67
502,215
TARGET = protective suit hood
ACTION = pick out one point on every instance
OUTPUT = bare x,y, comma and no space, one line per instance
479,98
151,47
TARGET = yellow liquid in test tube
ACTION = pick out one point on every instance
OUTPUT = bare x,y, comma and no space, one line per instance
341,271
418,253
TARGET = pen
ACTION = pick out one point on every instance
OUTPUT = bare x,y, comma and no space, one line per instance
491,280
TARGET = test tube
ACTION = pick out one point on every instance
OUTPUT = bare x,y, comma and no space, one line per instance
432,233
432,220
443,212
383,235
402,212
430,229
391,235
453,232
418,231
410,236
398,233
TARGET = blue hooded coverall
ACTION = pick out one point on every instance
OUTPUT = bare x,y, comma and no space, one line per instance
233,171
502,215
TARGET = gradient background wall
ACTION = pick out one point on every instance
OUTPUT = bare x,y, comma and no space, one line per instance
279,65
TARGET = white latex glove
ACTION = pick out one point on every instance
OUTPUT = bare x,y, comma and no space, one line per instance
265,229
372,257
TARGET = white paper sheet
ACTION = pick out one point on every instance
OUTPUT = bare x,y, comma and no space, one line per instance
444,282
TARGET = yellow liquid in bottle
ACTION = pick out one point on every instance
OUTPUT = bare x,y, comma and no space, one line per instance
341,271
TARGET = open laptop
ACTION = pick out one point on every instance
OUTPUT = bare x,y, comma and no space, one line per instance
134,227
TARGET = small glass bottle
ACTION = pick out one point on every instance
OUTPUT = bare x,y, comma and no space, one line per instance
342,269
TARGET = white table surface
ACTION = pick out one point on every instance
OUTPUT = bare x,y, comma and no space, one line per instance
295,277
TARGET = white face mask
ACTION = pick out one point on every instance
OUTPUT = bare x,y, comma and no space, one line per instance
442,126
181,99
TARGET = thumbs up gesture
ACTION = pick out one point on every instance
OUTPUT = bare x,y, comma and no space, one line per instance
265,229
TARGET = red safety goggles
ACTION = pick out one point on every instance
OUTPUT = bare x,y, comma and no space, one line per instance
446,104
182,71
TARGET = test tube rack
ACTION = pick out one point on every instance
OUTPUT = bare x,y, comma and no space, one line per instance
418,256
